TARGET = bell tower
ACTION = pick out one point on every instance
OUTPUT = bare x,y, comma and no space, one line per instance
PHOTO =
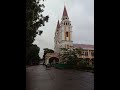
63,33
66,30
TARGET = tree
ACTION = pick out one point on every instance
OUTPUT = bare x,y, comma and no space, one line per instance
34,20
32,57
82,64
71,56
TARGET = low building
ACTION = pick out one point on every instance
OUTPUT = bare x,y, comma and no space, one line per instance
87,53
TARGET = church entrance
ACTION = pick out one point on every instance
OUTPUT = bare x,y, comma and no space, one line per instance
53,60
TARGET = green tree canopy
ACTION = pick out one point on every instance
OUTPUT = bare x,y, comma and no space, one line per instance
34,20
71,55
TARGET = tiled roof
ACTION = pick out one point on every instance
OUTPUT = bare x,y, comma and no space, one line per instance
84,46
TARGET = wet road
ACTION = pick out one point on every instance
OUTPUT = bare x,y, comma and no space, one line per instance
38,78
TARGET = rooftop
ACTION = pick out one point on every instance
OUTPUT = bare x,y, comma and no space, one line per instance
84,46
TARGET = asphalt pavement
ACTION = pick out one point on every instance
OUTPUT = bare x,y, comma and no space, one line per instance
40,78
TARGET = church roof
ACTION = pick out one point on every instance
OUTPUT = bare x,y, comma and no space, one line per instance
84,46
65,12
58,24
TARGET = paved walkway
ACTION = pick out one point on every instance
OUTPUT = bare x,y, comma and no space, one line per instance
38,78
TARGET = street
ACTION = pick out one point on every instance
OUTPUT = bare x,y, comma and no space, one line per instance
38,78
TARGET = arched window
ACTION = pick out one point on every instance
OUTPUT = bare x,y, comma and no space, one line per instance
92,53
86,53
66,34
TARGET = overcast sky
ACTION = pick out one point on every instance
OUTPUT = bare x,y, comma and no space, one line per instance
81,15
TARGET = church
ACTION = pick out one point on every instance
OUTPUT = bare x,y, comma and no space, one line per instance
63,39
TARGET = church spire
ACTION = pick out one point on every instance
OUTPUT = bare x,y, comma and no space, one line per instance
65,12
58,24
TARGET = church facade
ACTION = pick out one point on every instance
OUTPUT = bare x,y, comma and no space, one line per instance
63,39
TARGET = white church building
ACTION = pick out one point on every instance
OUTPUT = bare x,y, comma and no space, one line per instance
63,39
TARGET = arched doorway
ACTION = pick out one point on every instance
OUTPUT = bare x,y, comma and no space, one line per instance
53,60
